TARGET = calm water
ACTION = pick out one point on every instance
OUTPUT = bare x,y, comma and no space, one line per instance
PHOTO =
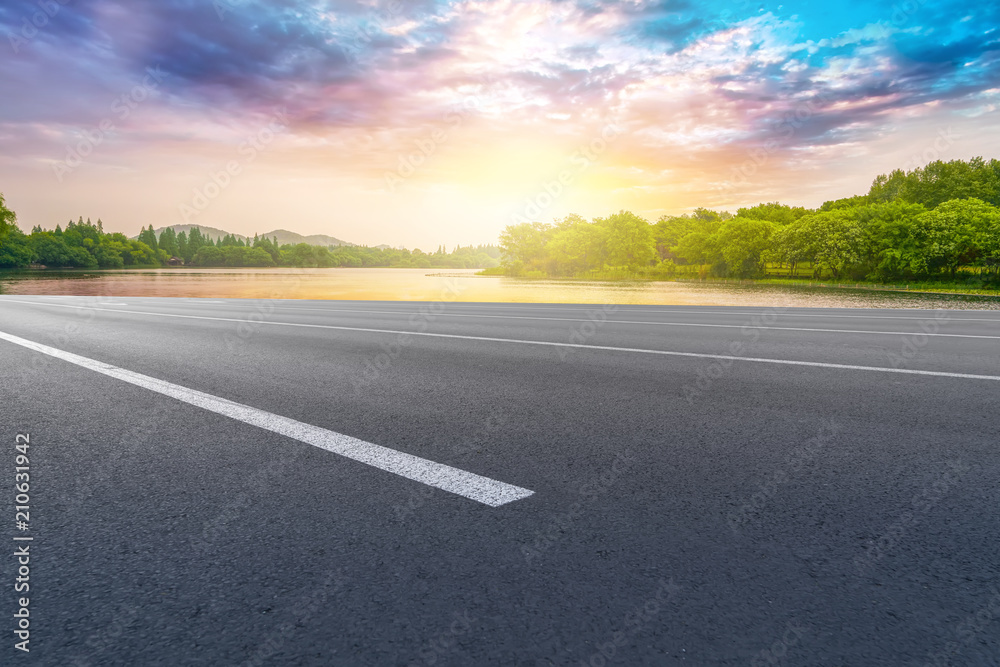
453,285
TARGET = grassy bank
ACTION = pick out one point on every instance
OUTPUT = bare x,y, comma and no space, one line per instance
970,286
956,287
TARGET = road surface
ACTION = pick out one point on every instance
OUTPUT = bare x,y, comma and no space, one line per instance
305,482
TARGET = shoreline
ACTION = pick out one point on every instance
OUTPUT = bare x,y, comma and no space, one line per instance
768,282
138,269
796,283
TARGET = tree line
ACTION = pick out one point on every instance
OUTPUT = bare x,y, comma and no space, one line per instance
80,245
85,245
940,221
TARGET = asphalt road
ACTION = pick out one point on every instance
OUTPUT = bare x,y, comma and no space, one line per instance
711,505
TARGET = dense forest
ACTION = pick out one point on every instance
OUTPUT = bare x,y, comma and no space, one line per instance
85,245
939,222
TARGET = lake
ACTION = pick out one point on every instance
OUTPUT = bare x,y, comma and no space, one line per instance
455,285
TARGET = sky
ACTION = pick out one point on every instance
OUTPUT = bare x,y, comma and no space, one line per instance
425,122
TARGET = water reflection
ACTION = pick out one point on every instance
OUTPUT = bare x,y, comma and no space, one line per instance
452,285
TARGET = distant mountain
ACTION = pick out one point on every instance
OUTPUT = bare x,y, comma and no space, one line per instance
284,236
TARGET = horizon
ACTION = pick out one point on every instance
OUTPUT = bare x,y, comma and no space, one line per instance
212,232
409,126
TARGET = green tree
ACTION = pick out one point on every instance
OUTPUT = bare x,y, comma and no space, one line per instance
792,245
699,246
258,257
522,246
837,241
846,202
742,243
302,255
894,239
887,187
182,247
108,254
629,240
958,232
577,247
52,250
269,247
140,254
209,256
772,212
196,241
669,230
168,242
8,219
15,249
939,181
148,236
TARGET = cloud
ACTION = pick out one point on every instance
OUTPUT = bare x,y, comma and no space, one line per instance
340,62
361,81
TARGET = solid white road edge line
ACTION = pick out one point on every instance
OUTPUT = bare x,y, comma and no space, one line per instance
668,353
470,485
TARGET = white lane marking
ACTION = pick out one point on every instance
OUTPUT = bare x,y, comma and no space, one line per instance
682,312
565,319
669,353
657,324
470,485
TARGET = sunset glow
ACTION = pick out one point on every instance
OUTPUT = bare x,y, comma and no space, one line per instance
422,123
